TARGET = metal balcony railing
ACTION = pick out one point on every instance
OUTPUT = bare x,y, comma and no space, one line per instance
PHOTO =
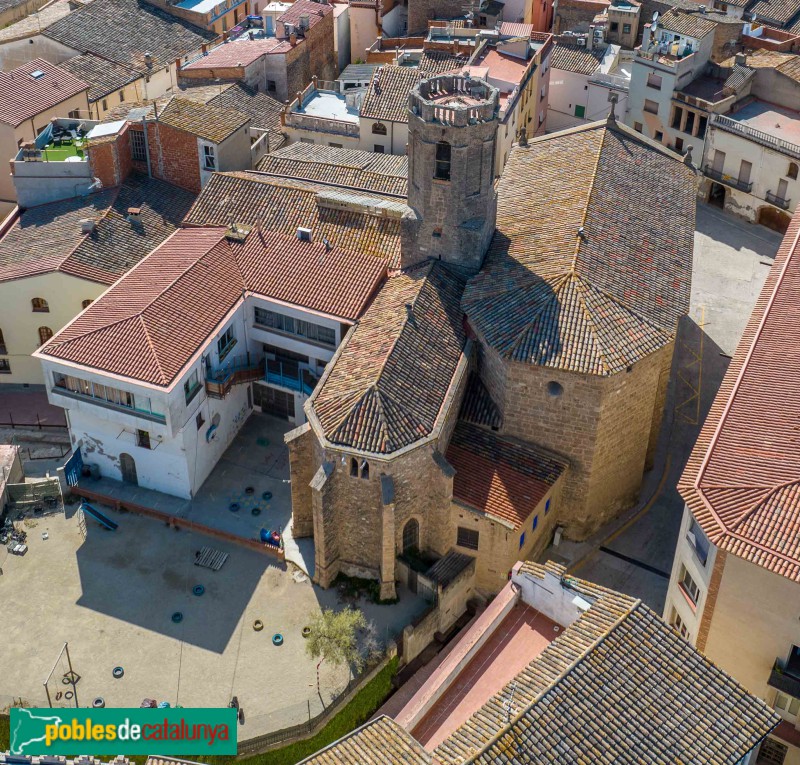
783,680
287,374
778,201
237,369
770,141
727,180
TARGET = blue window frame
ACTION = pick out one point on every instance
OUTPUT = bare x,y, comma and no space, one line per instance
547,507
535,522
521,540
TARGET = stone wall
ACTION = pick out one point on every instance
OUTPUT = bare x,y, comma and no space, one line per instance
300,444
422,11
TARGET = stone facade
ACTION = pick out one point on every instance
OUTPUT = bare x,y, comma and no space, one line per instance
604,425
451,173
420,12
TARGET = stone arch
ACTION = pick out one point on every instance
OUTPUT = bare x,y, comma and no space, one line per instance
127,466
410,538
771,217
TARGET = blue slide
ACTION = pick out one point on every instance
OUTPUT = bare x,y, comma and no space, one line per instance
99,517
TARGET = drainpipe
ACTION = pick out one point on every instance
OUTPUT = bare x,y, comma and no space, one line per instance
147,147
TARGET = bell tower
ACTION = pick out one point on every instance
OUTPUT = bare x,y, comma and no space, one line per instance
452,131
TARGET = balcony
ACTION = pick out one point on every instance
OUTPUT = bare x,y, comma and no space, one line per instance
239,369
288,374
785,674
727,180
764,139
774,199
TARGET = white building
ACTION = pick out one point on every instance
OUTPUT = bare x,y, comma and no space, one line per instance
159,374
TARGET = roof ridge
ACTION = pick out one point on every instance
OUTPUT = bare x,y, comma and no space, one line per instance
557,284
152,348
759,503
103,217
581,288
512,721
585,212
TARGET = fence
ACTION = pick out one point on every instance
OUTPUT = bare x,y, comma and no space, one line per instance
47,491
315,724
29,425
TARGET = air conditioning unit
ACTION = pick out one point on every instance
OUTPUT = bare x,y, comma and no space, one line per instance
581,42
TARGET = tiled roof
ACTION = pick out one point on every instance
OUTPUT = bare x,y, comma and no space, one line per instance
36,22
617,686
192,281
210,122
572,58
439,61
277,205
315,12
780,11
48,237
23,96
238,53
264,110
357,72
103,76
594,275
447,569
477,406
791,67
387,95
130,29
502,477
689,24
379,742
739,76
511,29
386,386
742,482
349,168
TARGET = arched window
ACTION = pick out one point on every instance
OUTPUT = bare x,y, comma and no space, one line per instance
45,333
365,469
353,467
40,305
411,535
86,303
792,170
378,128
442,171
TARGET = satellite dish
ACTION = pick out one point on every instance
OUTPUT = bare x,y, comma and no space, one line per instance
655,16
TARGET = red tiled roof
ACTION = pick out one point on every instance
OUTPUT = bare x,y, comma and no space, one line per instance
23,96
315,12
241,53
742,482
510,29
191,282
500,476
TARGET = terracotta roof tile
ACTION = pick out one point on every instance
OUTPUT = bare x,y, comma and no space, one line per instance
130,29
48,237
692,24
386,386
572,58
511,29
315,12
387,94
742,481
104,76
23,96
597,301
210,122
782,12
192,281
477,406
502,477
283,205
616,686
235,53
350,168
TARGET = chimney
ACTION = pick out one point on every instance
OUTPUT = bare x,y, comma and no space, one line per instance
293,39
590,38
88,225
148,59
134,214
741,59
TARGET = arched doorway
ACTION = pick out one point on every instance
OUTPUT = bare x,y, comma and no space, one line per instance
127,466
411,535
773,218
716,195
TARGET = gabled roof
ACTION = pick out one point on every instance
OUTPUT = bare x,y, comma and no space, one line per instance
213,123
593,275
618,686
23,96
742,482
237,53
502,477
349,168
779,11
283,205
316,12
387,94
692,24
104,76
125,30
386,386
379,742
191,282
48,237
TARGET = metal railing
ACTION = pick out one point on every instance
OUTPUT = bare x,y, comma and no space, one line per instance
777,201
239,369
727,179
321,124
287,374
770,141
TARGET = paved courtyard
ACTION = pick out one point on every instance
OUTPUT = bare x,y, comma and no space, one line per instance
112,596
731,262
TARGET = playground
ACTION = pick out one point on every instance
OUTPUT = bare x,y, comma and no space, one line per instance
112,596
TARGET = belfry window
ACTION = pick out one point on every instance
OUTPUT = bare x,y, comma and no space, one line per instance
442,161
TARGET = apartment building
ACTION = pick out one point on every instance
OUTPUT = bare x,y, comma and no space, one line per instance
735,581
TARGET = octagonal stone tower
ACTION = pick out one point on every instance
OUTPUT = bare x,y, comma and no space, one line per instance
452,130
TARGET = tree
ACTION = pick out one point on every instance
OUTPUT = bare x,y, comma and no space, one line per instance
333,637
